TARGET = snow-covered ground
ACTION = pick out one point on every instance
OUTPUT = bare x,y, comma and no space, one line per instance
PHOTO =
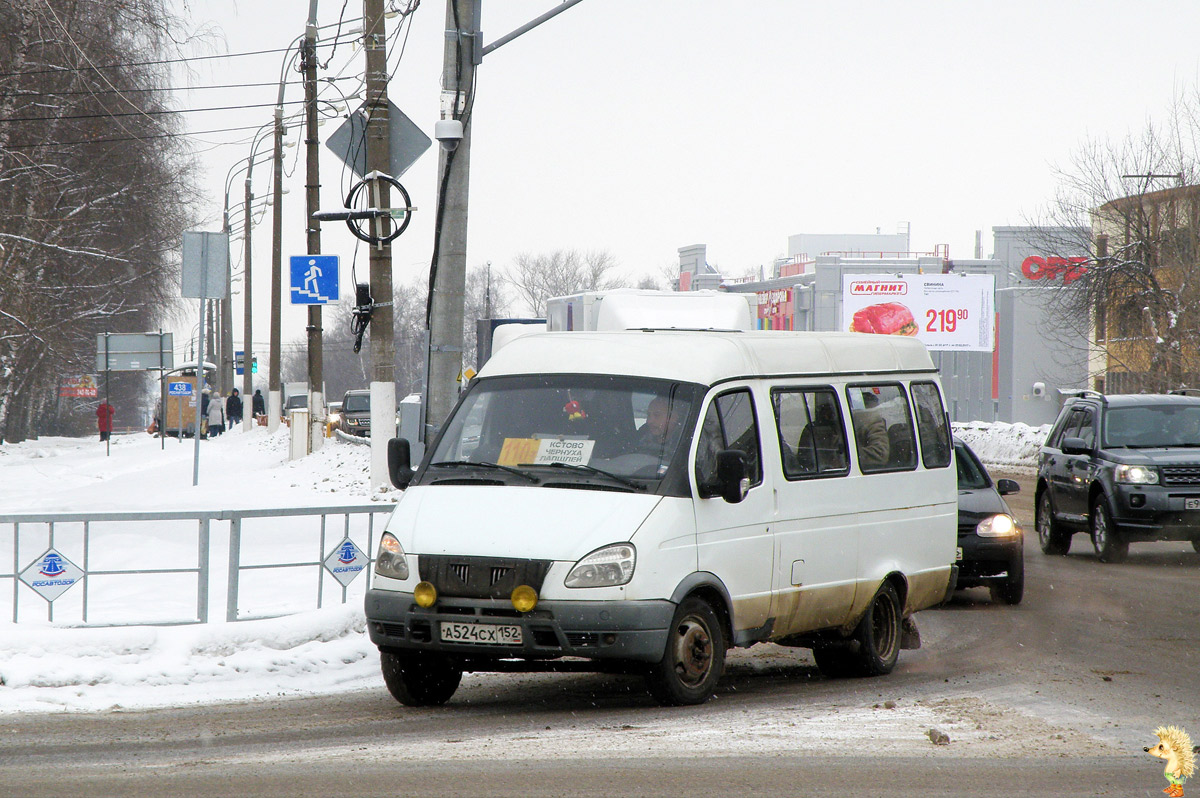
52,668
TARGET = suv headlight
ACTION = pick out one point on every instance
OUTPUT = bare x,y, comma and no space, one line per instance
1136,475
606,567
998,526
390,560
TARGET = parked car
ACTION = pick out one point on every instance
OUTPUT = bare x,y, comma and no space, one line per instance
1123,468
356,412
990,543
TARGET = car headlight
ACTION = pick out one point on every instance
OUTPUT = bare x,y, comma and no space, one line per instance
997,526
606,567
335,418
1136,475
390,560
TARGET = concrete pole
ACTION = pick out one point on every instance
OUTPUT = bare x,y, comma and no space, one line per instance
449,288
248,317
382,331
316,379
275,397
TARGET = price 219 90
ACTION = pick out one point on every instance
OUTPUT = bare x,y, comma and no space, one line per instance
945,320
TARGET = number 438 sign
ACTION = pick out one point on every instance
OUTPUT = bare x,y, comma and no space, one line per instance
944,311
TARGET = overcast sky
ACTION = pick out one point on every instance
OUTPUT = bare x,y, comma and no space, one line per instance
640,126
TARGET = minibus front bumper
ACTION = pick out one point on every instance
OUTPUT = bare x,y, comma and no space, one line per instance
630,631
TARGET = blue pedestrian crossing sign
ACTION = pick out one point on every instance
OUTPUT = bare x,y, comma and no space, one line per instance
314,279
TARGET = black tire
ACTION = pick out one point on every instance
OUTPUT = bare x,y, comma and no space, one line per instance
1107,540
418,679
693,659
874,647
1051,537
1012,589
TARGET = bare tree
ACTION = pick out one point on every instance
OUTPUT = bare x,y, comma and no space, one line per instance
1134,206
535,278
93,194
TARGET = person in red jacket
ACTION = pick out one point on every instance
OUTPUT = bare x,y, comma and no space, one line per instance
104,417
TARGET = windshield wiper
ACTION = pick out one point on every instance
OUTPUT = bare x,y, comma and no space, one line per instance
484,464
593,470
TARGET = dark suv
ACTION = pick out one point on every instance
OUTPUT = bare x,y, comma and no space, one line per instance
356,412
1123,468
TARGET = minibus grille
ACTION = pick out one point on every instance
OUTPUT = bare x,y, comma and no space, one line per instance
480,577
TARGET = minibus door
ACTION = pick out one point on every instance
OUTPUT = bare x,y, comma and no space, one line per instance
734,540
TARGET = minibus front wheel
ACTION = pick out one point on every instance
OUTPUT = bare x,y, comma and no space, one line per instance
419,679
694,657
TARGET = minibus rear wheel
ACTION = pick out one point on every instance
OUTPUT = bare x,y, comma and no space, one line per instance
874,646
694,658
419,679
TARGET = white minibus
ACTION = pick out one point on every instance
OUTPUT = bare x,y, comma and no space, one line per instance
642,501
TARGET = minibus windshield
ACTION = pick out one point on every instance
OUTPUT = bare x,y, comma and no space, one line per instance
625,427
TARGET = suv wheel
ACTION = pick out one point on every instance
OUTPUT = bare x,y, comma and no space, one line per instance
1052,538
1110,545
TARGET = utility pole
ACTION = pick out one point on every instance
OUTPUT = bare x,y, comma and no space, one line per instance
275,400
462,52
383,346
312,183
247,325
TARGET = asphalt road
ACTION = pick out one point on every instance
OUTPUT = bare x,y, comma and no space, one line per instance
1055,696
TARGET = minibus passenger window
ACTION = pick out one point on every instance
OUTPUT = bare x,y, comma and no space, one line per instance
729,424
813,421
931,423
883,430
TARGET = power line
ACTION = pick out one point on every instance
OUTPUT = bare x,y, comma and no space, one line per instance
184,60
272,84
147,113
128,138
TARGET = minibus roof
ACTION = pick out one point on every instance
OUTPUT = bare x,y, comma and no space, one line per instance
709,356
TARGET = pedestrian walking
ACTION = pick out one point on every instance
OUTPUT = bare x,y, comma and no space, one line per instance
258,405
233,408
216,415
104,417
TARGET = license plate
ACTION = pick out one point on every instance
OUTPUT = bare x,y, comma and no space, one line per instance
488,634
1191,504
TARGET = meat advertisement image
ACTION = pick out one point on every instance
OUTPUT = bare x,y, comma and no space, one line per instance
887,318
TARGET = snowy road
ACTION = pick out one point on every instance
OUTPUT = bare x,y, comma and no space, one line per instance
1055,696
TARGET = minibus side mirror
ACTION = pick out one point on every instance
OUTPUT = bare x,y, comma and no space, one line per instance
733,480
399,462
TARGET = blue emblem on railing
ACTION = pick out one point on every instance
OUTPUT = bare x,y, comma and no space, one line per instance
347,554
52,565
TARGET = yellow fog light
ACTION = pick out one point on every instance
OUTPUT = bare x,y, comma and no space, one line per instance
524,598
425,594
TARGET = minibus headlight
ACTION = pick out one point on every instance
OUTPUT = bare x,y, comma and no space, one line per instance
390,560
1136,475
606,567
997,526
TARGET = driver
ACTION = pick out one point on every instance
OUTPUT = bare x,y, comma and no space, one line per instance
663,417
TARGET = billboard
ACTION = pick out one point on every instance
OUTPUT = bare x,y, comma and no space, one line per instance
944,311
83,385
